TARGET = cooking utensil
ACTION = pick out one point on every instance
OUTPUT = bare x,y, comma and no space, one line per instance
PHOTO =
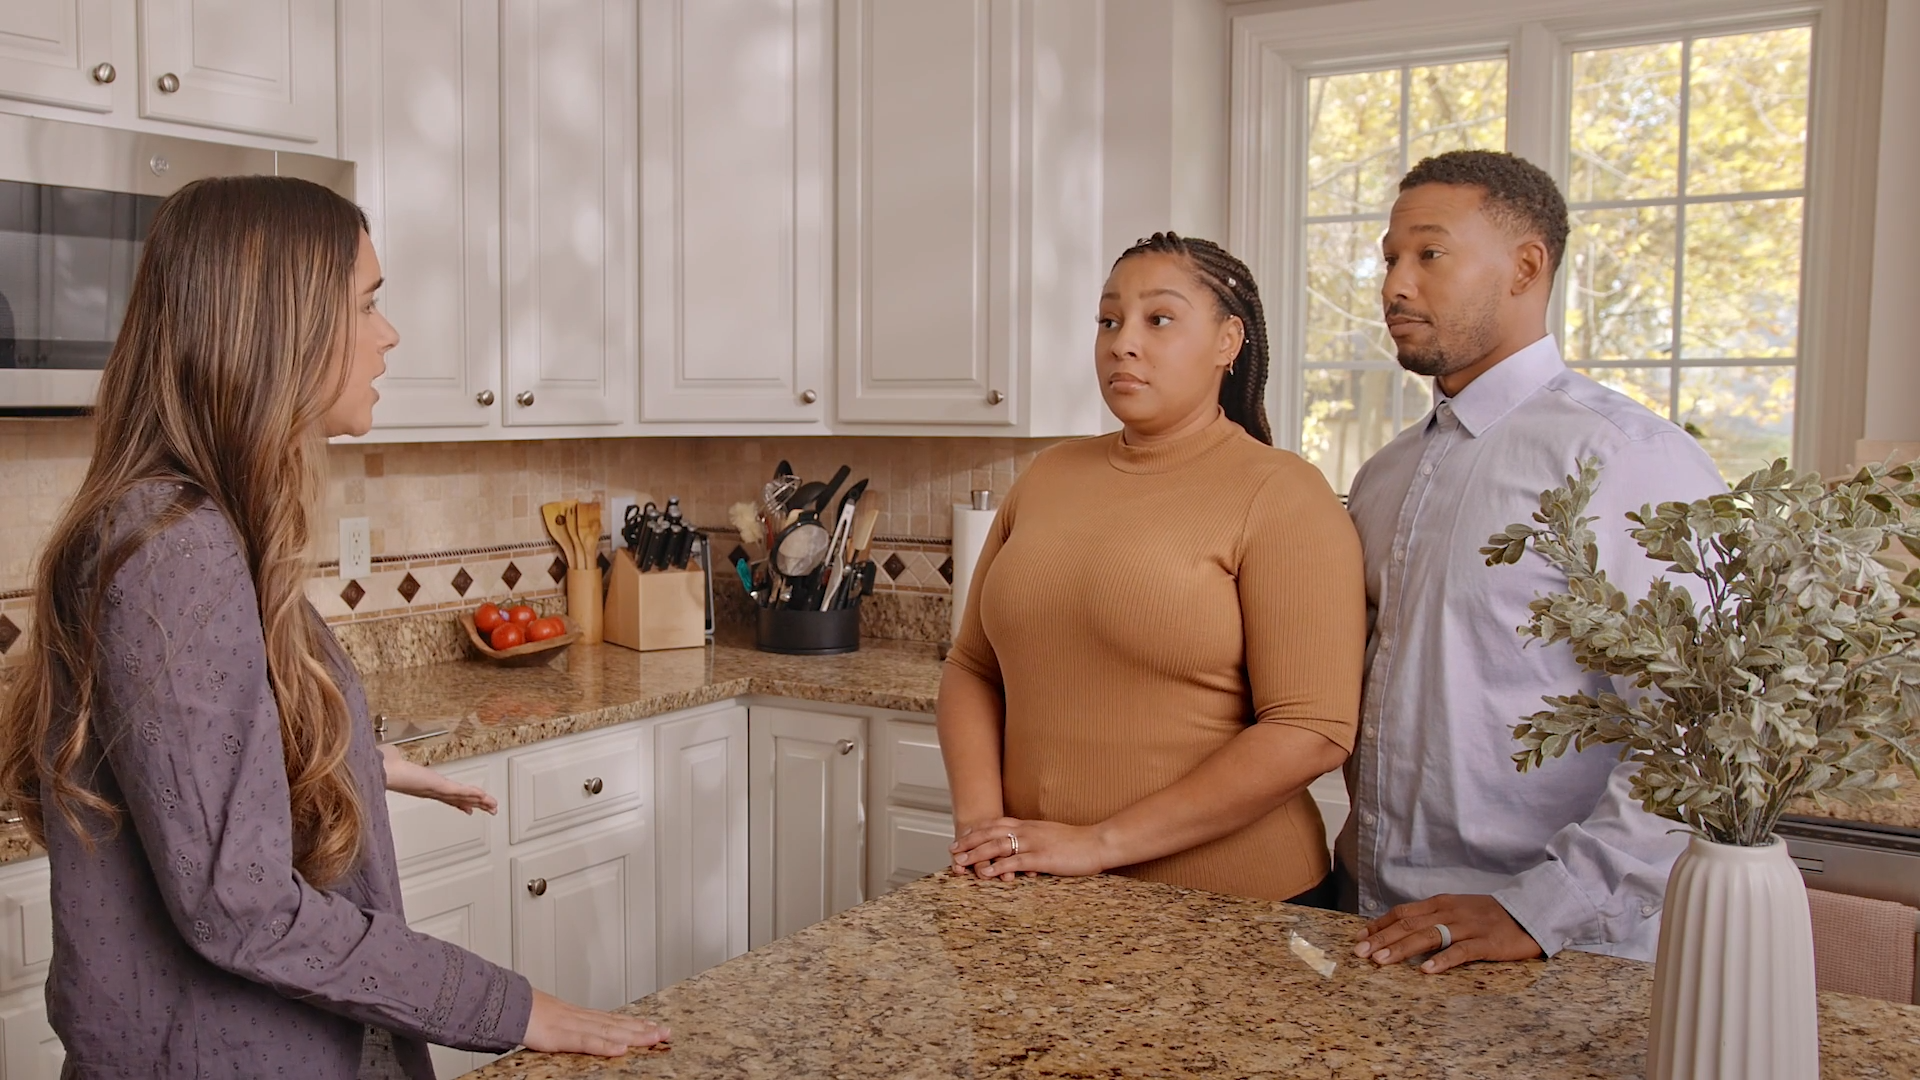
861,542
587,525
833,485
783,470
633,528
837,550
802,547
807,496
554,514
653,530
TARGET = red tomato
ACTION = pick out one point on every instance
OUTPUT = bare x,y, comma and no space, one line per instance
542,629
520,613
488,617
507,635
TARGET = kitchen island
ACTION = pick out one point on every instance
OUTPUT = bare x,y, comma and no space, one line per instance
1113,977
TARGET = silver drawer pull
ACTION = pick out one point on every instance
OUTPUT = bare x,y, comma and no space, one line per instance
594,786
104,74
846,747
538,886
169,83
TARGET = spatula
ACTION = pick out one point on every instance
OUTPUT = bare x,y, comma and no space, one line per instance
555,515
587,526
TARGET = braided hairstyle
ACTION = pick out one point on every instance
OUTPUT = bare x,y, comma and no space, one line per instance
1243,390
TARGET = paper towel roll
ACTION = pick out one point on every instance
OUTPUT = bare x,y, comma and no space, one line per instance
969,536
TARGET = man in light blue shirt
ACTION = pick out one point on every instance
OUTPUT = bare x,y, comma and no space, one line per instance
1448,847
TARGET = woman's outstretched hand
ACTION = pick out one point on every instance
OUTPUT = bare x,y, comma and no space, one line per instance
1004,847
556,1027
421,782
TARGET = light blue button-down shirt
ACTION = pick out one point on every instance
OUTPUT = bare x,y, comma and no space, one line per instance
1438,806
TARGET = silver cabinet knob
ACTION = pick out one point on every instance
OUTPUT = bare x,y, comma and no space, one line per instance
808,397
995,397
104,74
379,724
538,886
846,747
484,397
594,786
169,83
524,397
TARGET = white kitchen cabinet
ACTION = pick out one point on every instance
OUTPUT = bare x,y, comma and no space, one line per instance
970,214
420,118
736,181
465,905
700,840
912,820
569,194
263,67
256,72
583,913
51,51
31,1050
808,803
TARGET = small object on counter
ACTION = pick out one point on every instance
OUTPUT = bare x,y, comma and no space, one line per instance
833,486
1311,955
507,635
555,516
665,609
520,614
746,579
837,550
632,528
798,632
530,653
587,522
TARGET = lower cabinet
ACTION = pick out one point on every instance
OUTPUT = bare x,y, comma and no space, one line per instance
700,840
808,801
912,809
583,914
466,906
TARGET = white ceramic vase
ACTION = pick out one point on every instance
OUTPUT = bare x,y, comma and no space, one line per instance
1733,992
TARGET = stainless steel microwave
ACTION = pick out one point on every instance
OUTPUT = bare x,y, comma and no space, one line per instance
75,204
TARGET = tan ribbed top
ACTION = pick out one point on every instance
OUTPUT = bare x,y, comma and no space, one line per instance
1139,606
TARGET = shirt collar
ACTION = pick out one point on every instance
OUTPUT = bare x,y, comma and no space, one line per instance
1497,391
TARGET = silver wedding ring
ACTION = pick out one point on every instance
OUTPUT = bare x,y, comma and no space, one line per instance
1446,935
1014,841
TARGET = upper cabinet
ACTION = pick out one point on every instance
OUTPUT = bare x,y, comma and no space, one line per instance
736,183
259,71
970,213
421,120
568,190
253,66
59,52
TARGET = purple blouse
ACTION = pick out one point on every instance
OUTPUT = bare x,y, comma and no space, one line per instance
185,944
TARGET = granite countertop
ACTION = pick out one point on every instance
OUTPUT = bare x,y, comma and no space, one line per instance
1902,812
1114,977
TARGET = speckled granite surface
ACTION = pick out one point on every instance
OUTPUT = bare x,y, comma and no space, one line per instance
1112,977
1902,812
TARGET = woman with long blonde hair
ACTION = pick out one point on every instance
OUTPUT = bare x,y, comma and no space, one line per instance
187,739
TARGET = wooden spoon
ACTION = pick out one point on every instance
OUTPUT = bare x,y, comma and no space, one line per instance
587,527
860,543
555,515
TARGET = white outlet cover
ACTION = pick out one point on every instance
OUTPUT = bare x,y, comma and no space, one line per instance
356,548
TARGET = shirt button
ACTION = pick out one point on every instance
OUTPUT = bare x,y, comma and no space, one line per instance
1426,469
1646,909
1399,553
1366,817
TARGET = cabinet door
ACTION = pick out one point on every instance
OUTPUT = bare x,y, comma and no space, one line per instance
809,823
583,919
264,67
49,49
420,119
928,317
569,194
736,202
907,846
31,1050
465,906
700,837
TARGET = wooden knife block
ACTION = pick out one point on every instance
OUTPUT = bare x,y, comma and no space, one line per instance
660,609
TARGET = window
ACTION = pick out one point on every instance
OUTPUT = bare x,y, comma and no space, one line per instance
1680,134
1687,185
1364,129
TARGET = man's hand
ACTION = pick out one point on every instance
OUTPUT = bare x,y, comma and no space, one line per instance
421,782
1481,929
1004,847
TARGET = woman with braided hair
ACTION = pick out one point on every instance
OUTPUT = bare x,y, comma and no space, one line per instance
1164,639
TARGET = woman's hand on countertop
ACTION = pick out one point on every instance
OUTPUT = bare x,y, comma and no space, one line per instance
421,782
1005,847
555,1027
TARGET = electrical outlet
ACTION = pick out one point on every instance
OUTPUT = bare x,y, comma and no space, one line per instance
356,548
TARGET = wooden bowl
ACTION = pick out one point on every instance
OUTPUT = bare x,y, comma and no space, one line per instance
533,652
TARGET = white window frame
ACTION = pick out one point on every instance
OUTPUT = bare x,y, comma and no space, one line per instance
1274,54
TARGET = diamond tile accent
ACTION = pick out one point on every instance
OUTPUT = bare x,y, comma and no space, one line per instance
409,587
604,563
462,581
946,570
9,633
353,594
511,575
558,570
894,566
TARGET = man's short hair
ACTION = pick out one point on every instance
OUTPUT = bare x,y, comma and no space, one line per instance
1520,196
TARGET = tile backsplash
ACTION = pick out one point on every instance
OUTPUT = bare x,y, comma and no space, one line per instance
443,512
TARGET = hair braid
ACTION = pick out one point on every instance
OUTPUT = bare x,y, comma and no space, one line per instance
1243,391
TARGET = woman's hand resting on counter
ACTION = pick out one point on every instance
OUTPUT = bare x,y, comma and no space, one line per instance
555,1027
421,782
1004,847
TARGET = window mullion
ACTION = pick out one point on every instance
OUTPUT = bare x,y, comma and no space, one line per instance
1680,227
